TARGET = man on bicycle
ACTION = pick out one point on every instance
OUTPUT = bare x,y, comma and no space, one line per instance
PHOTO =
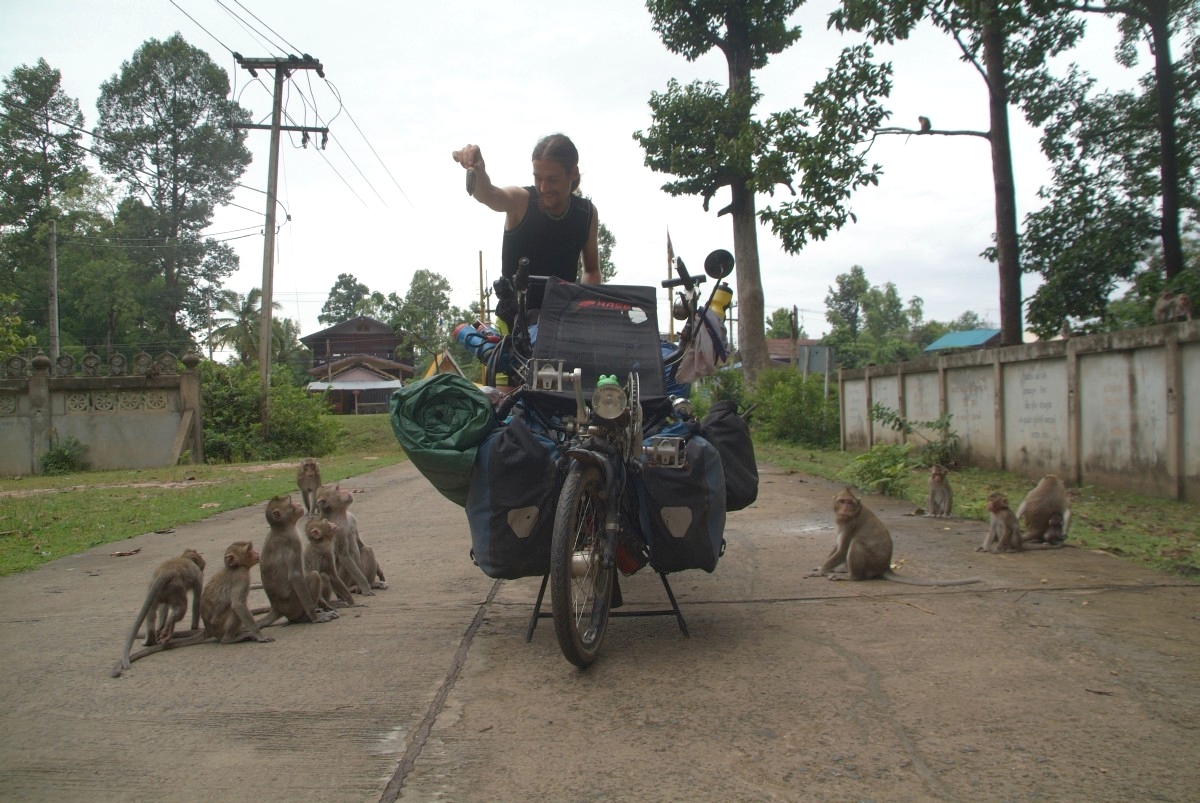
546,222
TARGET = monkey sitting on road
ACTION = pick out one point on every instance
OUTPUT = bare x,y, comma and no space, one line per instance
222,607
356,562
864,545
1003,533
320,558
291,589
166,601
1046,512
308,480
941,498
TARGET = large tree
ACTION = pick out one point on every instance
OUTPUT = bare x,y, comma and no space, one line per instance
350,298
40,161
425,316
168,132
1123,176
710,139
1000,39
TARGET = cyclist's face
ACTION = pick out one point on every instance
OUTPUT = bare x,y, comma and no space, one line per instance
553,185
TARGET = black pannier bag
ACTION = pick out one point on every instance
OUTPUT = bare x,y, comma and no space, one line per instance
511,501
683,510
727,430
602,329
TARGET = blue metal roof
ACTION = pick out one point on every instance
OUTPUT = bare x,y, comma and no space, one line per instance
972,338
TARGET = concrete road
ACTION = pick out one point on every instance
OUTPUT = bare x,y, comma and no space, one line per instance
1065,675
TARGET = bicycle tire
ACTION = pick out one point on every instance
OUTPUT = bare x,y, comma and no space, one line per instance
580,586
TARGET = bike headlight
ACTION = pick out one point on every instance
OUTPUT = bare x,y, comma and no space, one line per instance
609,402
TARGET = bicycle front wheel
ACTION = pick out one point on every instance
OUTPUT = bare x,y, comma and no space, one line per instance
580,584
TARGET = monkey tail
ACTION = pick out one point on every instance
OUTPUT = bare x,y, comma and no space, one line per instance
174,643
935,583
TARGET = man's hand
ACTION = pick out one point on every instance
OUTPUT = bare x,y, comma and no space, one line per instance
469,156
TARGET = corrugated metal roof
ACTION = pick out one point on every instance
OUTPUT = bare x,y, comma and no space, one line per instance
972,338
362,384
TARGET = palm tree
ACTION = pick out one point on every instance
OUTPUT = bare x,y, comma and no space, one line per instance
239,329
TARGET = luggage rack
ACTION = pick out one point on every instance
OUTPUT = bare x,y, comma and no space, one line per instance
538,613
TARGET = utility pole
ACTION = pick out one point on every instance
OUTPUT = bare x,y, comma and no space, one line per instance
53,291
283,68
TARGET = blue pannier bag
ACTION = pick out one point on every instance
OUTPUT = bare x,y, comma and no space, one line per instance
511,501
683,509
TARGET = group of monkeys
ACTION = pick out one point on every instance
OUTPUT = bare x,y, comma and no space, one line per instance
1172,307
303,583
863,549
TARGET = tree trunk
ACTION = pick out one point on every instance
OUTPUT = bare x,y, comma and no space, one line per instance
1008,256
752,342
1168,161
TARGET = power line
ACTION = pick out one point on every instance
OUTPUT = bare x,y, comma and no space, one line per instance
201,27
256,35
268,27
341,106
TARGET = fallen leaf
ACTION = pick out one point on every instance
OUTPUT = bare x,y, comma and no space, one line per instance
126,554
210,504
165,530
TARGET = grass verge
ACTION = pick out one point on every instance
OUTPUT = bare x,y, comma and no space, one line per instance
1159,533
44,518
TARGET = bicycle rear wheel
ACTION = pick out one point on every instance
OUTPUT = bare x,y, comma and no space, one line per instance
580,585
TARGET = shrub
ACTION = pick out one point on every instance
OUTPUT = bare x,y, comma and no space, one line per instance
231,394
793,408
64,457
884,468
942,449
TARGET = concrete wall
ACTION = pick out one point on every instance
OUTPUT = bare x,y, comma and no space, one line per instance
1120,410
142,415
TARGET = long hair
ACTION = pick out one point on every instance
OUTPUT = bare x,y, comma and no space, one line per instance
559,148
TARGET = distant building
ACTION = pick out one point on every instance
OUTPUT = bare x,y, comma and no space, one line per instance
970,339
355,363
807,355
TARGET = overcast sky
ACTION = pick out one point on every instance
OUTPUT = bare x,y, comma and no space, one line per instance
419,80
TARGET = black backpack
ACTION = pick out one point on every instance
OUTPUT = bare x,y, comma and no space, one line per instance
725,428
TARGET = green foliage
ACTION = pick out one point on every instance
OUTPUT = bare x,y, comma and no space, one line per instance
300,421
168,131
724,384
11,339
66,456
792,408
349,298
885,468
941,449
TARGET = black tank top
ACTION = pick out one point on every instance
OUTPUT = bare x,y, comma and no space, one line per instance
551,244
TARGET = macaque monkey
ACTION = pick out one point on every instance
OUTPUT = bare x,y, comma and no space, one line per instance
291,589
941,499
1054,530
1172,307
166,601
1003,533
926,125
319,557
308,480
865,547
355,561
1041,505
222,607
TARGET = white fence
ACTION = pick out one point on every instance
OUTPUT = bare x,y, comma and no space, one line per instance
1120,410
